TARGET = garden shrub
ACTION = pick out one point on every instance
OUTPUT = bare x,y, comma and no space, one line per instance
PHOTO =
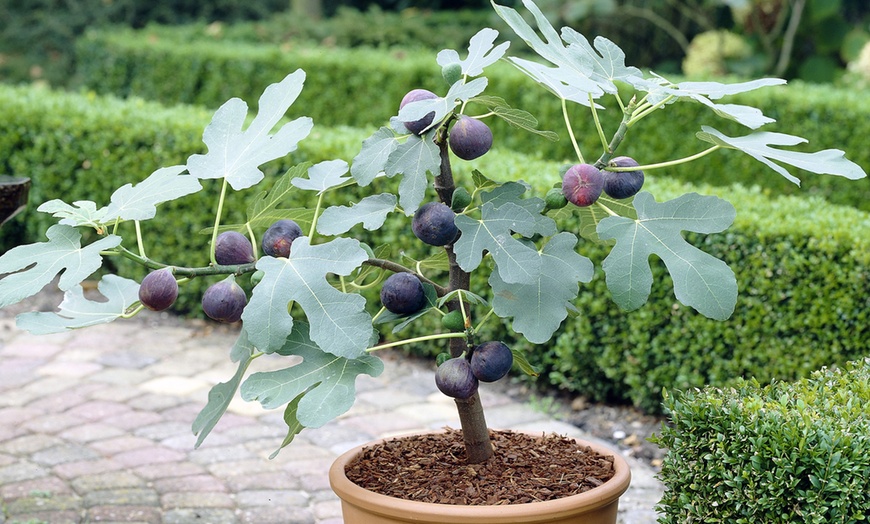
785,452
786,251
159,67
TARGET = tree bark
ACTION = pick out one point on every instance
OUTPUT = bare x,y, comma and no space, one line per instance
478,447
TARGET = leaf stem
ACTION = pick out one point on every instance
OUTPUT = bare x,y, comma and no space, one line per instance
597,122
571,132
484,319
414,340
669,163
139,241
646,111
186,271
607,209
217,220
389,265
316,214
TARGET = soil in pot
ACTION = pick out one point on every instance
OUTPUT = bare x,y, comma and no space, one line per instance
524,468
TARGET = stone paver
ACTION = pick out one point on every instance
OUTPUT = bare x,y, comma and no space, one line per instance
95,427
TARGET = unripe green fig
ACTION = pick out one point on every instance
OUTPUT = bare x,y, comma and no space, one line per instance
461,199
582,184
455,379
158,290
453,321
622,184
257,276
452,73
231,248
555,199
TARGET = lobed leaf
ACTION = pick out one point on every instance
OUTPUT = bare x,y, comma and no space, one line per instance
323,176
700,280
79,213
337,320
236,155
757,145
140,202
34,266
75,311
374,155
441,107
371,211
482,53
414,159
538,308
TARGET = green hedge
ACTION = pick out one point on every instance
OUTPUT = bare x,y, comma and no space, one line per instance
787,452
787,252
362,87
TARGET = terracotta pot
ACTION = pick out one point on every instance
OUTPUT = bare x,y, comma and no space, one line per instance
596,506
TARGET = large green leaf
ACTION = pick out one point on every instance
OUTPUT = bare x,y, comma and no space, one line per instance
220,395
338,320
413,160
79,213
140,201
481,53
757,145
371,211
77,312
517,262
41,262
700,280
323,176
538,308
325,381
373,156
512,192
236,155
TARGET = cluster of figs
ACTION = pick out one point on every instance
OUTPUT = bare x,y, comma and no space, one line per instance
223,301
583,184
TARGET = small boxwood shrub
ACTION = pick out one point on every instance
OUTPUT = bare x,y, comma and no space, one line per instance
82,146
786,452
157,65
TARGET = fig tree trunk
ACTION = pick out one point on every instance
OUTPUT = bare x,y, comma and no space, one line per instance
478,447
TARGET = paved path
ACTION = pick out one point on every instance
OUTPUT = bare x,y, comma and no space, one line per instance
95,427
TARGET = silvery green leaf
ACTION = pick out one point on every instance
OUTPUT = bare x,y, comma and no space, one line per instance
481,53
327,381
591,216
76,311
757,145
140,201
515,117
337,320
371,211
413,159
512,192
236,155
560,82
700,280
538,308
294,427
441,107
323,176
606,60
372,158
517,262
34,266
80,213
219,398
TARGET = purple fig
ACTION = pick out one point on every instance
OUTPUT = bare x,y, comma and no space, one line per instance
403,294
278,238
622,184
232,248
582,184
469,138
158,290
455,379
224,301
415,95
491,361
433,224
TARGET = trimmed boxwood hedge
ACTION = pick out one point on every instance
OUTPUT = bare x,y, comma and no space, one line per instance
786,452
787,252
362,87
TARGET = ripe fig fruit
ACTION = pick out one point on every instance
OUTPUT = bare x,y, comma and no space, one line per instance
158,290
554,199
224,301
278,238
232,247
491,361
453,321
582,184
622,184
455,379
469,138
433,224
403,294
415,95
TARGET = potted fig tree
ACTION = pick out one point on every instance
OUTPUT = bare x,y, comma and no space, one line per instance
494,250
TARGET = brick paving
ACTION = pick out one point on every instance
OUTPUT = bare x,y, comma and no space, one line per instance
95,427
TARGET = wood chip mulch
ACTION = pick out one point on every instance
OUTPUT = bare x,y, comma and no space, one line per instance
524,468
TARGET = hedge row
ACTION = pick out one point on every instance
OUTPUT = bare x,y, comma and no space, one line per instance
787,252
787,452
362,87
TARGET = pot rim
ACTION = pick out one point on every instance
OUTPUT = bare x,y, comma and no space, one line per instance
351,493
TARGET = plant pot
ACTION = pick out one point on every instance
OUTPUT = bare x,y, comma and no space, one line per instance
596,506
13,196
